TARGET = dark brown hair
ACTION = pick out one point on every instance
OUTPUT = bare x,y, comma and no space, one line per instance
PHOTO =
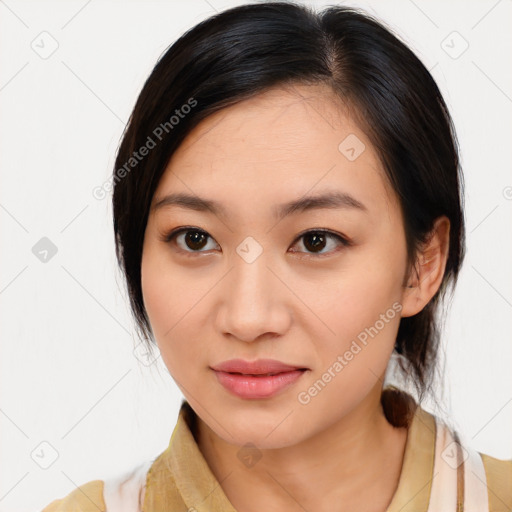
246,50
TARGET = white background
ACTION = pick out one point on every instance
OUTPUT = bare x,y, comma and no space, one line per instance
69,376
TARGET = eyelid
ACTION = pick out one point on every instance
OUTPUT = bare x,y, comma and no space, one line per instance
168,236
345,241
342,239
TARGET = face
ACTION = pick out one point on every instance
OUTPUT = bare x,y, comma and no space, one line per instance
317,287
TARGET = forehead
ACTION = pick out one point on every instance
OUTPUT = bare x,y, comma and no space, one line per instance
281,144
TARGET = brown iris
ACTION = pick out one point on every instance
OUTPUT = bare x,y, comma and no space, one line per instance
195,239
314,241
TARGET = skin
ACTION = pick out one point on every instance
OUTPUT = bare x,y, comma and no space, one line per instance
337,452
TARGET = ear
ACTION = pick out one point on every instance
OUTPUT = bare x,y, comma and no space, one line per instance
427,275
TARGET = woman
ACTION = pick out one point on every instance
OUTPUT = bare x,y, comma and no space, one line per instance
287,212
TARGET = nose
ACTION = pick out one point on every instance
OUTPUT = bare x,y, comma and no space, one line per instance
255,303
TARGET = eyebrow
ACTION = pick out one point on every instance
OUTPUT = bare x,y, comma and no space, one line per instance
330,200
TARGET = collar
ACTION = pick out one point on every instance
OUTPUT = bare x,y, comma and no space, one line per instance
180,476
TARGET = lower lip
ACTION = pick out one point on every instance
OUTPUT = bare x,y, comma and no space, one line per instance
250,386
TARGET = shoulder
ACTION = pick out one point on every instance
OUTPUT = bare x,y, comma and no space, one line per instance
481,481
498,473
120,492
86,498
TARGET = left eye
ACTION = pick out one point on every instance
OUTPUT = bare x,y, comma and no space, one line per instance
192,240
316,241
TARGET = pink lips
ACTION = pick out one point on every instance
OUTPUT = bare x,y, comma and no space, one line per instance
257,379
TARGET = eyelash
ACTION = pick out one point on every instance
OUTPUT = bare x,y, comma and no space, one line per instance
171,235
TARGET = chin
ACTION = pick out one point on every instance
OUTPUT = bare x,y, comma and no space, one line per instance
257,437
266,429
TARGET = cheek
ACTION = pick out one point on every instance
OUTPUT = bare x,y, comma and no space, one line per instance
365,320
156,292
365,333
361,307
171,302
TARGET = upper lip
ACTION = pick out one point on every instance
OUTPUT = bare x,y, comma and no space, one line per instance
258,367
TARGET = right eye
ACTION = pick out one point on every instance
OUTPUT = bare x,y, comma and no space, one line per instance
189,239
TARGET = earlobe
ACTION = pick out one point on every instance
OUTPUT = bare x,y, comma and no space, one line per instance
428,272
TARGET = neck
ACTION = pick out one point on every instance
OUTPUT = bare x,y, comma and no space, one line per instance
354,464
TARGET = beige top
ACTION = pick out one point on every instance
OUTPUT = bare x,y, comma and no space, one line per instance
179,479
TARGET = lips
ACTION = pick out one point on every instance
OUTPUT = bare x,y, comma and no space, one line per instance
258,367
261,379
